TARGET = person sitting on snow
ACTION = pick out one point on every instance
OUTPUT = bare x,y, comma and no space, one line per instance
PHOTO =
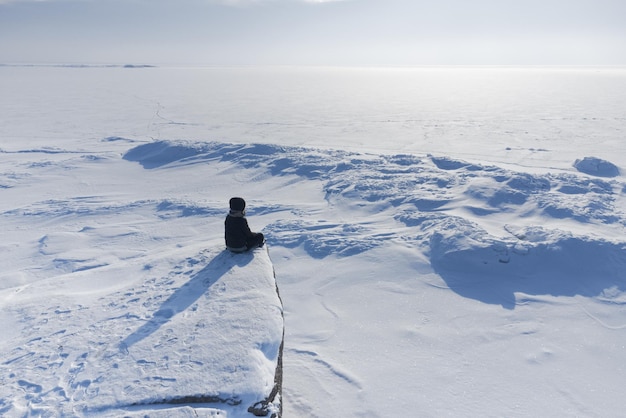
239,237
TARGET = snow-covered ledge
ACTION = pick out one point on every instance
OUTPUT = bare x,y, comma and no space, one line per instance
202,340
240,345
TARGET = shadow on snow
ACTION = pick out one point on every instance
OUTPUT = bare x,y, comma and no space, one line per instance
568,267
186,295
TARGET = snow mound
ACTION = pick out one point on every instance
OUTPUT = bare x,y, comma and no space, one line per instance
597,167
418,191
427,184
534,261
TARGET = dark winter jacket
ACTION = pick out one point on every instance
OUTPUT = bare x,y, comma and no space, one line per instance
237,232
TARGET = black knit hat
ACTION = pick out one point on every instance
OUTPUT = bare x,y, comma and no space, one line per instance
237,203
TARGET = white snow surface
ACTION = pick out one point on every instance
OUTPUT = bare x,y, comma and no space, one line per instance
447,242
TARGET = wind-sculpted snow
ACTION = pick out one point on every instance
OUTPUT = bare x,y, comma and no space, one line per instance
425,183
173,209
322,238
534,261
449,206
597,167
93,206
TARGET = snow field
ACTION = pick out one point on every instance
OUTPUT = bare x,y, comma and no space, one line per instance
110,304
469,263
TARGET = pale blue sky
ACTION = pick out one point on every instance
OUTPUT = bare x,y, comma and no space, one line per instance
298,32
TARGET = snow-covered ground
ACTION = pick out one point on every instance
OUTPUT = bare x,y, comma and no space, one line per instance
447,242
116,303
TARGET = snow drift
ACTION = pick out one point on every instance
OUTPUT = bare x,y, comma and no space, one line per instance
597,167
451,208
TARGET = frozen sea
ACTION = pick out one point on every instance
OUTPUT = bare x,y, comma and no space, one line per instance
448,241
524,116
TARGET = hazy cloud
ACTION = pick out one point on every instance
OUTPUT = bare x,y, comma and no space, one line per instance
222,2
315,32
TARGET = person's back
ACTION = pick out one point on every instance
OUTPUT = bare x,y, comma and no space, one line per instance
237,233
